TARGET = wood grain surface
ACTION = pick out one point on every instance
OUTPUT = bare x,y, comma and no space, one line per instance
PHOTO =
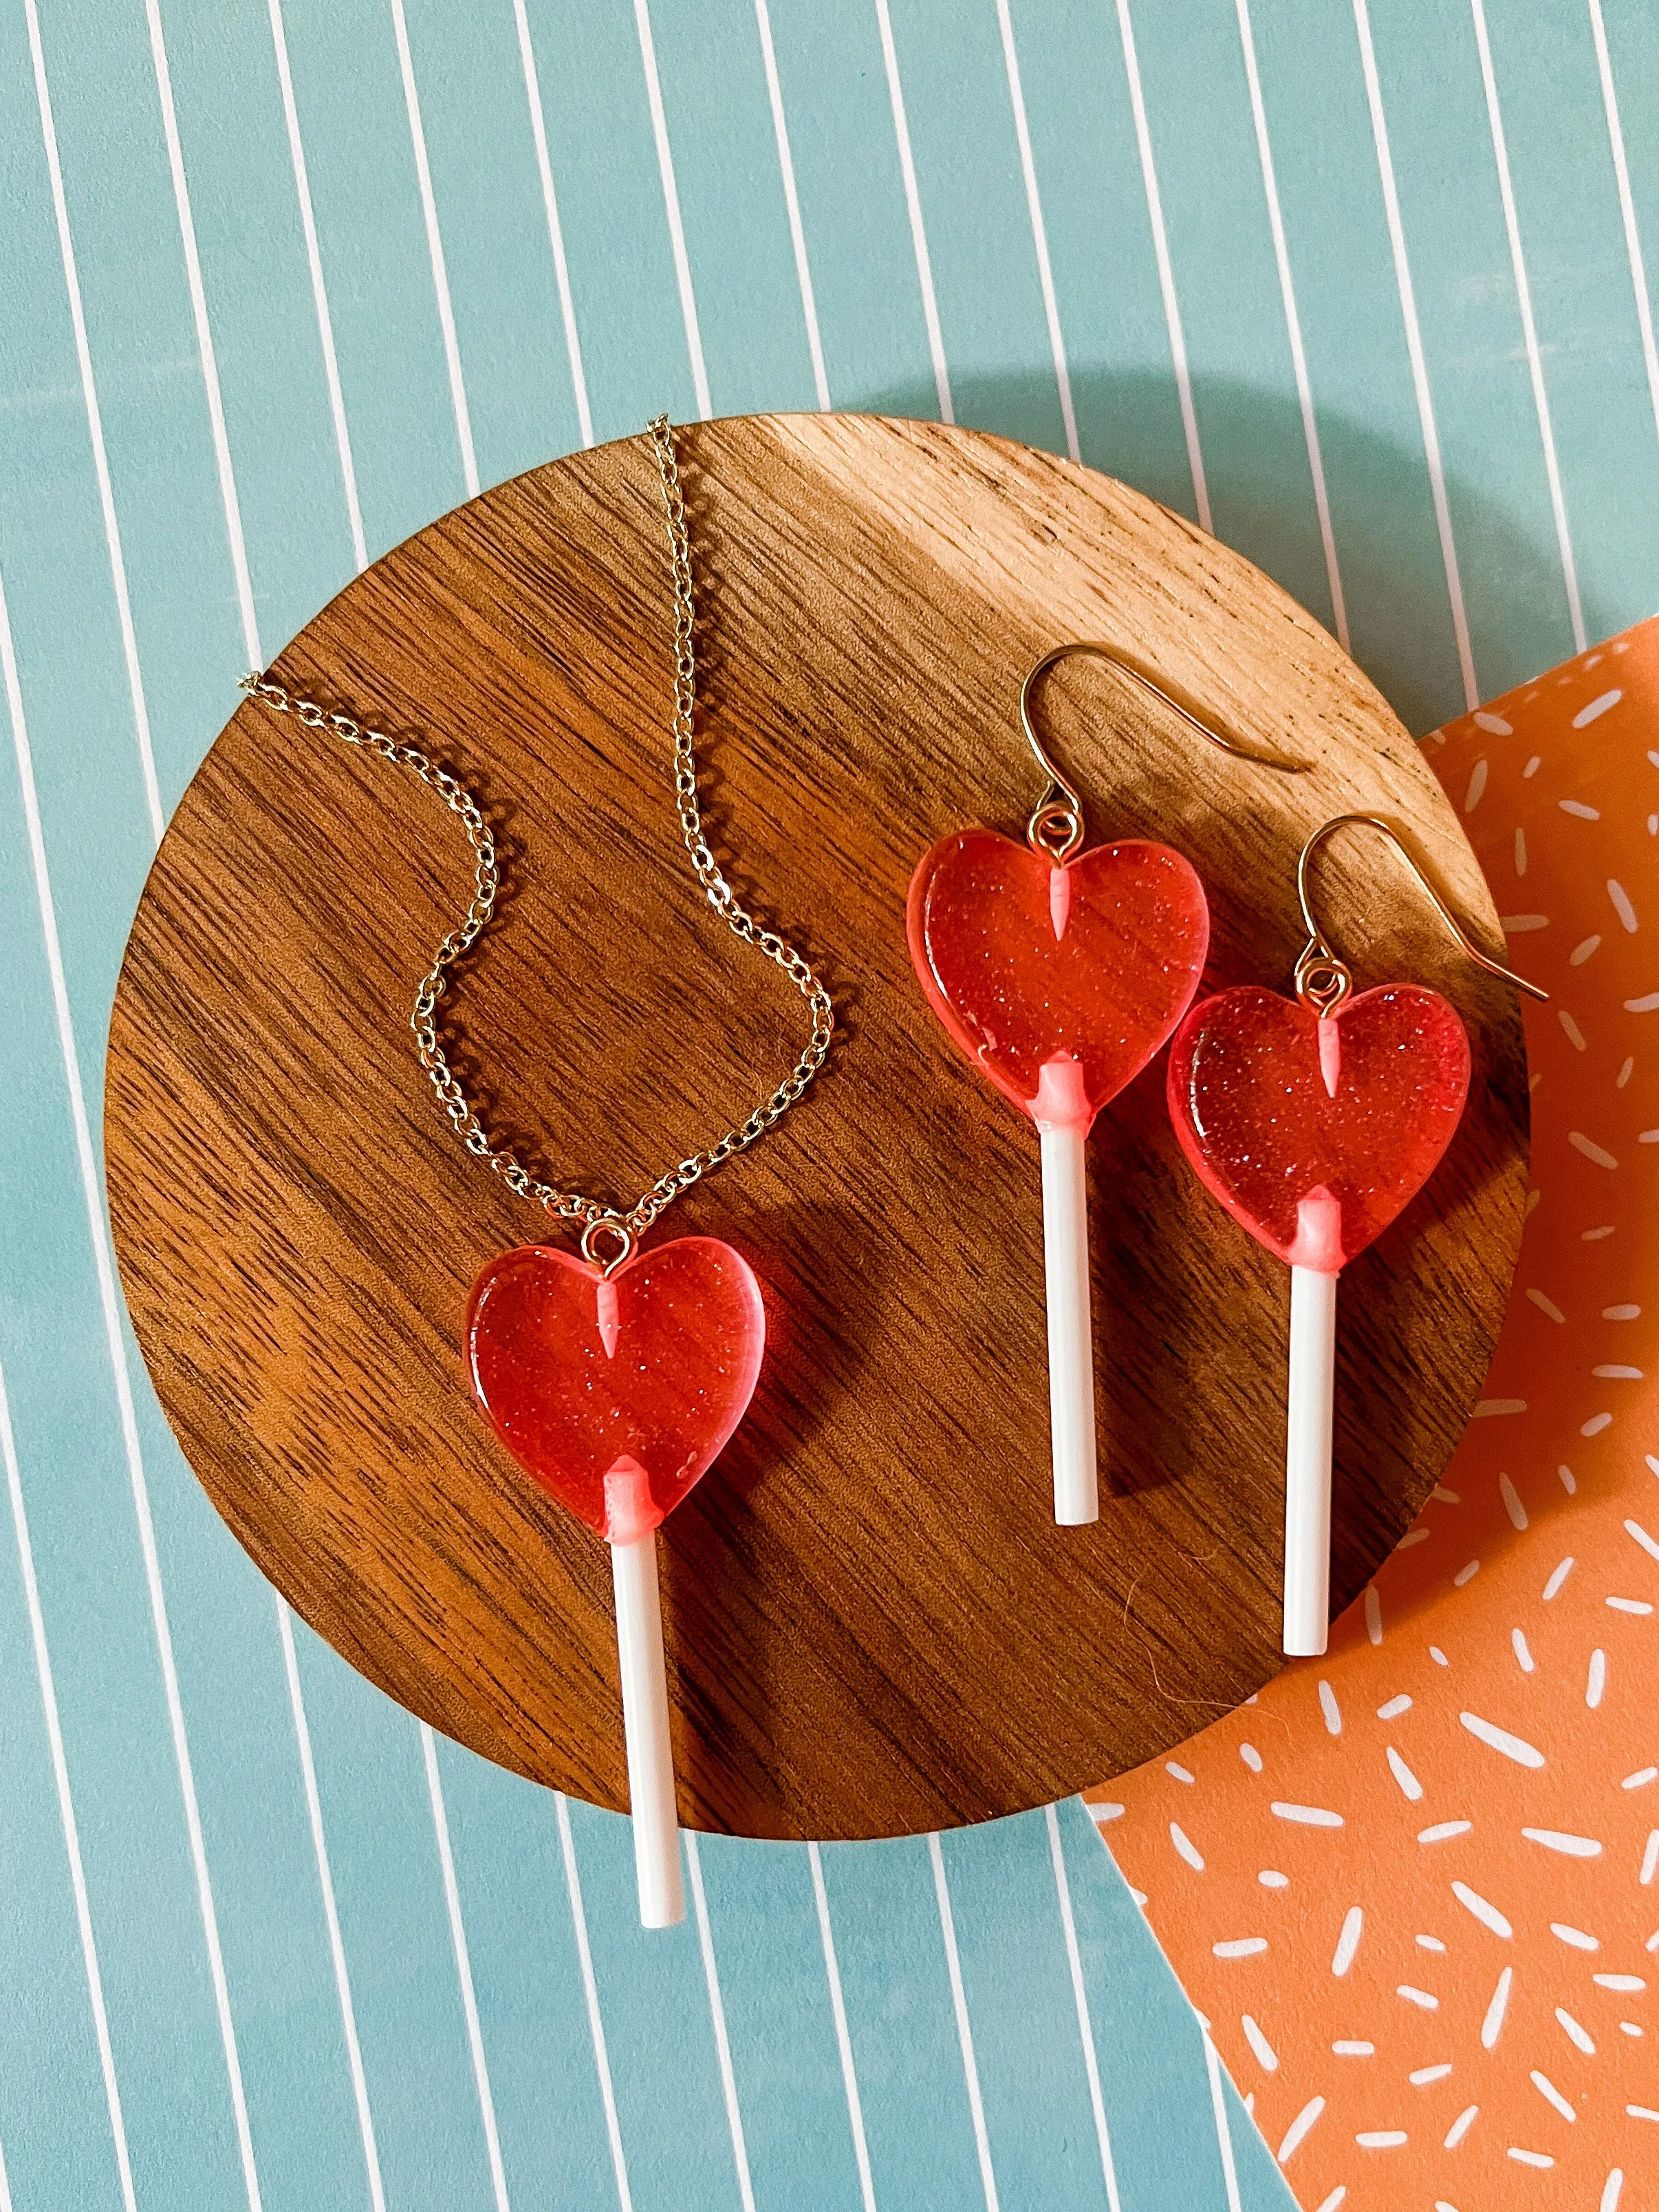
874,1627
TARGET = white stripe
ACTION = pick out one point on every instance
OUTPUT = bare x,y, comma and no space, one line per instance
670,199
110,1301
157,824
319,288
326,1879
1085,2025
918,228
475,2035
591,1993
1528,328
964,2031
65,1809
463,1967
1039,232
203,337
717,2015
117,566
434,246
1293,326
532,86
843,2039
1402,274
1224,2134
797,232
1165,267
1638,276
5,2183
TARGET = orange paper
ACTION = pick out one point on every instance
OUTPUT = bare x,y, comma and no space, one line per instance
1414,1885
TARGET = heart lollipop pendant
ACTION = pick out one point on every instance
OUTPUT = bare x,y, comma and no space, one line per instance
1316,1133
616,1392
1059,980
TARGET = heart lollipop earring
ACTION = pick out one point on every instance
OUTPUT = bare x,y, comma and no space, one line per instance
1059,974
1315,1121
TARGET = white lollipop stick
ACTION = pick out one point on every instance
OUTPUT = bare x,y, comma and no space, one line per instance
1308,1463
1307,1447
1062,1116
645,1700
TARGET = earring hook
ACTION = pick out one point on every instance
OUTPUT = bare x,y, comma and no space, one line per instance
1056,825
1323,981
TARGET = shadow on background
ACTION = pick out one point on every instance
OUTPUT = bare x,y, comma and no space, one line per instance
1388,546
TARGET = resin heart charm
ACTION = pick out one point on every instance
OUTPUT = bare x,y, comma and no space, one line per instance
617,1392
1316,1133
1059,980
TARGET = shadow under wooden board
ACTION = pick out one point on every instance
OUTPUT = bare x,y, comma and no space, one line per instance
873,1625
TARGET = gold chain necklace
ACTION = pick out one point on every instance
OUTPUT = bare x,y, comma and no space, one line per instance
621,1229
618,1440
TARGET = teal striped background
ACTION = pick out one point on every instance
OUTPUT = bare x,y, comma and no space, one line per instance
1362,286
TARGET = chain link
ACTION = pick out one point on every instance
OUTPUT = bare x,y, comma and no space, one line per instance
452,1100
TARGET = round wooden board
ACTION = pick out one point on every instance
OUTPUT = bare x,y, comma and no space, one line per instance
874,1627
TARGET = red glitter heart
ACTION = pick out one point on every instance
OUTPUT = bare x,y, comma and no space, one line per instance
1059,982
616,1393
1316,1136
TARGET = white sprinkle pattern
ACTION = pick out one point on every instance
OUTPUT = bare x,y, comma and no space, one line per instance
1403,1774
1461,2126
1348,1941
1185,1847
1512,1746
1310,1816
1296,2134
1487,1914
1575,2032
1571,1847
1492,2025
